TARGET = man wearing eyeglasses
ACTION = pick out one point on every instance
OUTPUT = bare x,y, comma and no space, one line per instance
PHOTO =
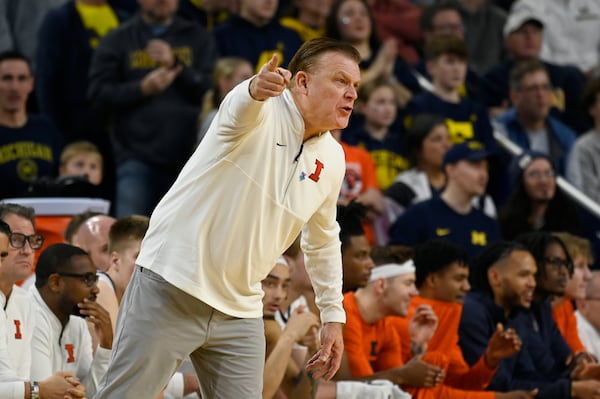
547,349
18,266
16,386
65,288
529,123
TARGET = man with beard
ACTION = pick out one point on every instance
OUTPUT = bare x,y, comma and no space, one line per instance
65,293
508,289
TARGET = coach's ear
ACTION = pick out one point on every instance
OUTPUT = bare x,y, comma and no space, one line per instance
301,80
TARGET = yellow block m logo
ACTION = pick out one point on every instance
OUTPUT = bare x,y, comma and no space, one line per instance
478,238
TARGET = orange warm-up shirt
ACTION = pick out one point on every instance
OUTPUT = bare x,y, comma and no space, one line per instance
377,347
369,347
445,340
360,177
564,316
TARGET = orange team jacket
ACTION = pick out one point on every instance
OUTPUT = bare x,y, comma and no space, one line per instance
445,340
360,176
376,347
564,316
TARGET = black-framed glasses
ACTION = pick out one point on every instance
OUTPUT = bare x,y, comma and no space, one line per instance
18,240
88,278
559,262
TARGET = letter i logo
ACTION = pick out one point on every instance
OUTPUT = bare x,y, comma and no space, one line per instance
69,348
373,348
315,175
18,334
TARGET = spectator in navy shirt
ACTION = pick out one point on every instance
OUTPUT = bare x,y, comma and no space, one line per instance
452,215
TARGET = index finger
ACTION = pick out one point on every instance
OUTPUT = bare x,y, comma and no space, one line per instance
271,65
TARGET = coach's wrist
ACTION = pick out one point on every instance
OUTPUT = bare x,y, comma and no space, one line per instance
252,89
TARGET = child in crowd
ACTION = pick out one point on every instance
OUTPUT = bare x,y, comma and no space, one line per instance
377,134
82,158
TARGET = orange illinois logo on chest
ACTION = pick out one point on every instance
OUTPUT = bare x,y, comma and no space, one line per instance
18,334
70,353
319,168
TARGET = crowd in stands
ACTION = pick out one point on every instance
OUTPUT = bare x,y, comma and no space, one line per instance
468,271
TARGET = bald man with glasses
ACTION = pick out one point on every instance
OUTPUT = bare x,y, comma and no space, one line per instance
65,294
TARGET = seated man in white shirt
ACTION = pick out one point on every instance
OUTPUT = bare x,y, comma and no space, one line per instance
588,316
58,386
65,293
18,266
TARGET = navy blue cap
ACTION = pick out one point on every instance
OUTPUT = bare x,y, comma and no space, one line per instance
468,151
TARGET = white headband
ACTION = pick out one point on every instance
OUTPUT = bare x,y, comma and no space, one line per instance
392,270
282,261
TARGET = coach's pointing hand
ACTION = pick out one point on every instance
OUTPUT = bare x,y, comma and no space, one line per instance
270,81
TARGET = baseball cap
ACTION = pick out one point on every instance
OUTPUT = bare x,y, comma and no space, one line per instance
520,13
471,150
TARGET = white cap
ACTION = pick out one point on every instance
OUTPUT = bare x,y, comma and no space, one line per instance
523,11
392,270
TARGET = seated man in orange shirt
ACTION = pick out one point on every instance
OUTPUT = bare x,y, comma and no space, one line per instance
372,348
442,277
